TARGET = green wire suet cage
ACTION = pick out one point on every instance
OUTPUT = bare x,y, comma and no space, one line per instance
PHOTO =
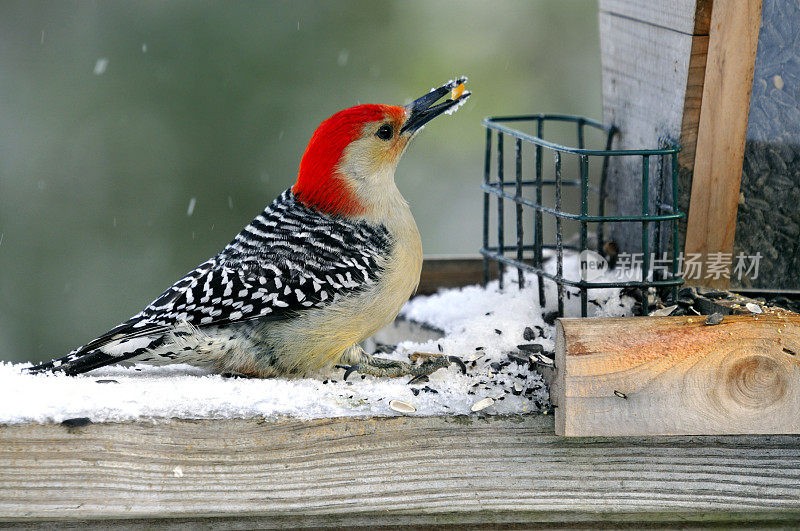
528,191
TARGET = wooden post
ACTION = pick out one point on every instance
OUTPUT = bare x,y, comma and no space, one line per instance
719,155
653,60
677,375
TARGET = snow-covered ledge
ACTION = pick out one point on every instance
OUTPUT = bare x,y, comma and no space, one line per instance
494,331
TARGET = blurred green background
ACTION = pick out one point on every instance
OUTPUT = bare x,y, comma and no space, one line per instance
115,117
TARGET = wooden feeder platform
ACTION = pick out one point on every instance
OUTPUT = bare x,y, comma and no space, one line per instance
400,471
448,472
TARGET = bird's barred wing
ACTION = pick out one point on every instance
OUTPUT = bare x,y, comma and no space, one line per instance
290,259
287,260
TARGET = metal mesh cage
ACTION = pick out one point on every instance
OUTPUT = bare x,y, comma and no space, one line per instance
530,190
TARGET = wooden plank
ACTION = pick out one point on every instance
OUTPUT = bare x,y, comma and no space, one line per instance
677,375
452,272
686,16
387,472
652,90
733,39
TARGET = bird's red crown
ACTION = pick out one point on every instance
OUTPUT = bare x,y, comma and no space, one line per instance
319,182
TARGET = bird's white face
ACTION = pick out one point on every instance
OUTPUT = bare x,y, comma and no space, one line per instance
369,162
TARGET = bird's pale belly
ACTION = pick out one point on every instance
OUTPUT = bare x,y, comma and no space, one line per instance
319,337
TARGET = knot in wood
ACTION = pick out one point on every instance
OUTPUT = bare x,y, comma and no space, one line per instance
756,381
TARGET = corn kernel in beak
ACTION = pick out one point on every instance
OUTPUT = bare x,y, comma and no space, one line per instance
457,92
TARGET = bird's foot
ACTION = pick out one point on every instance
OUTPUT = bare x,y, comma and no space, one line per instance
382,367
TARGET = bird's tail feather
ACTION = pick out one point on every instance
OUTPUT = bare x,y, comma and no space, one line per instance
72,364
86,358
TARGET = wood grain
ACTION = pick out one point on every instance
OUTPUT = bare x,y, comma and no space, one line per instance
686,16
460,471
652,91
733,39
676,375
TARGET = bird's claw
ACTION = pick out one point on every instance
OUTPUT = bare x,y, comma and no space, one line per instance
392,369
458,361
348,369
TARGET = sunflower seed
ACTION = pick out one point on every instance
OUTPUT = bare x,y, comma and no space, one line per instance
475,355
401,407
482,404
753,307
531,347
663,311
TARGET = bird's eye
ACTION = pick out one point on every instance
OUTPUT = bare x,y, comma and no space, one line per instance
385,132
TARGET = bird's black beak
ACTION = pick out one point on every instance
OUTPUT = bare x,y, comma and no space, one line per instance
423,109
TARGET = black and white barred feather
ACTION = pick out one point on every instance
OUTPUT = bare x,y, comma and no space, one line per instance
289,259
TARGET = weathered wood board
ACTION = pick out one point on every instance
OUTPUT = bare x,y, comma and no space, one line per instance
685,16
444,472
653,65
711,222
677,375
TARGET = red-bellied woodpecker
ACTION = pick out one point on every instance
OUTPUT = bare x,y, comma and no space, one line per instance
327,264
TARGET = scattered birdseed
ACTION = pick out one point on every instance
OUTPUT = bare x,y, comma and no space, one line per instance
620,394
528,334
401,407
753,307
474,356
517,359
714,319
482,404
550,354
531,347
76,422
663,312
